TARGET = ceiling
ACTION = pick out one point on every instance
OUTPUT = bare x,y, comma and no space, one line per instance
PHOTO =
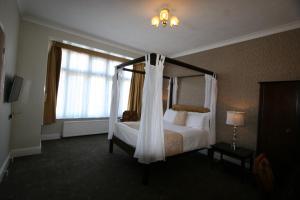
127,22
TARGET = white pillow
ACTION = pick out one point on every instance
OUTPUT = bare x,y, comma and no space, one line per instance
170,115
198,120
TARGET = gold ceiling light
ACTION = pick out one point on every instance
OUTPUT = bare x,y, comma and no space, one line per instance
164,18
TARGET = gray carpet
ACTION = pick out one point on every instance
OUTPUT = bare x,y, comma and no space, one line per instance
81,168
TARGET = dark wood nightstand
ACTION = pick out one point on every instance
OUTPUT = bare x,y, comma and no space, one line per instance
240,153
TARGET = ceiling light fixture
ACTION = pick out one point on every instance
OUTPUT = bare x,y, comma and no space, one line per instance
163,18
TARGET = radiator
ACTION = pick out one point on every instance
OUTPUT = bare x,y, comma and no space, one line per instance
87,127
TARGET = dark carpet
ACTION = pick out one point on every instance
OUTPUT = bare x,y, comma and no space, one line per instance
81,168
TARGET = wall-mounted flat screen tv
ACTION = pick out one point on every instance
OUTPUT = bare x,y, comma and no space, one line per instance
15,90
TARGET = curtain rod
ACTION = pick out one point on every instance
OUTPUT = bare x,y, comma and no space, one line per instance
88,51
167,60
190,76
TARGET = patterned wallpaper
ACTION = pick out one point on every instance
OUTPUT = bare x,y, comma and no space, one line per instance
240,68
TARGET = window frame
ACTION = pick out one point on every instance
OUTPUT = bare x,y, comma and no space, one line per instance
89,73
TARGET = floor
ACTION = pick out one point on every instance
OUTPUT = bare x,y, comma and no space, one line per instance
81,168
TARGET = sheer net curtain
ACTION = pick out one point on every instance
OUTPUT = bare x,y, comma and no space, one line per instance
85,86
174,80
211,93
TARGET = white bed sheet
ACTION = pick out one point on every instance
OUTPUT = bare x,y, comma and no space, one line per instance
192,138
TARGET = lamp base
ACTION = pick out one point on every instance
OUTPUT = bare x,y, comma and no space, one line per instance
233,146
234,139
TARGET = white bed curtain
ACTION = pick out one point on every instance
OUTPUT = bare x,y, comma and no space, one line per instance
168,100
114,106
174,90
210,102
150,142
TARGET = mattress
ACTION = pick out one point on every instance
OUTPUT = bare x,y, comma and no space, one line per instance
192,138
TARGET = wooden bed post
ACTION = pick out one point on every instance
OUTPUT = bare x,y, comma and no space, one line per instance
146,169
153,58
167,60
111,146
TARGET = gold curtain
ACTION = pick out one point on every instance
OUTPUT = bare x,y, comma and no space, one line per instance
136,90
52,80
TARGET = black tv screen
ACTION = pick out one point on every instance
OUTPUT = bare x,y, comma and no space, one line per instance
15,89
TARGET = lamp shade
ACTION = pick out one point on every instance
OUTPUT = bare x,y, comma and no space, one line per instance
164,14
174,21
155,21
235,118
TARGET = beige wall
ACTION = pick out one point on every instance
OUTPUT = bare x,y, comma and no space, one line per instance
32,62
239,68
190,89
9,19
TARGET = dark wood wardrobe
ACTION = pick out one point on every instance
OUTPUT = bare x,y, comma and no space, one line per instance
278,125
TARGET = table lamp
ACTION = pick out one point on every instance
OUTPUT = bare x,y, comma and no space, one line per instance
235,119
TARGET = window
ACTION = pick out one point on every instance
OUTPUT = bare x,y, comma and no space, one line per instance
85,86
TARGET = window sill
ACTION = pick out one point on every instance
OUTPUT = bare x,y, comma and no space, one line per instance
81,119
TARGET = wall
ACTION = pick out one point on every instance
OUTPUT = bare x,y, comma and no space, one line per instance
239,68
32,64
9,19
190,89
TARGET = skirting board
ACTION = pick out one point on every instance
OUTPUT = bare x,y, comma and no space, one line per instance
52,136
25,151
4,167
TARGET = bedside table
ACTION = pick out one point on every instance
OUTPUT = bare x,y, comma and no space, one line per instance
240,153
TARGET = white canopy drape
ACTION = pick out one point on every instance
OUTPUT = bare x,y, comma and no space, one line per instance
175,88
168,100
150,143
210,102
174,91
114,106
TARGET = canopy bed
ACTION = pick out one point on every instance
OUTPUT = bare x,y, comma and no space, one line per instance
157,136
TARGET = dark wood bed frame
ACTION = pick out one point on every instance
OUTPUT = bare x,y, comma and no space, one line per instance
130,149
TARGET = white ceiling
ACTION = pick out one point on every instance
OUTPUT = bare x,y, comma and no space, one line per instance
127,22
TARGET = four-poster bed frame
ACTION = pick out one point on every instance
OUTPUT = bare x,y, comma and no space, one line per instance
128,148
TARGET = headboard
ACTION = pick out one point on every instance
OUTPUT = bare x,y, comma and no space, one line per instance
190,108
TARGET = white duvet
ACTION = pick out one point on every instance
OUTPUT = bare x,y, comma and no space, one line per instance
192,138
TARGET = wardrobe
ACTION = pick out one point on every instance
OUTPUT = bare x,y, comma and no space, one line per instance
278,125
